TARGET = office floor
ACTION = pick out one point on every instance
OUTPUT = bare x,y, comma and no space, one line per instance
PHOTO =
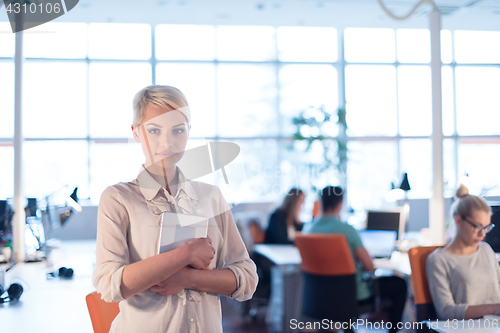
233,322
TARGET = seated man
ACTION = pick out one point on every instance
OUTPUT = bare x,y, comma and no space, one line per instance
391,288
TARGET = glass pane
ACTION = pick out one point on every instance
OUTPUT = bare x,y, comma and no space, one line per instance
371,100
446,52
111,163
372,166
7,99
448,101
252,43
369,45
55,99
247,100
414,45
306,86
262,181
478,101
112,88
200,93
7,40
51,165
449,168
310,44
306,169
416,160
477,46
415,101
184,42
7,172
481,162
119,41
56,40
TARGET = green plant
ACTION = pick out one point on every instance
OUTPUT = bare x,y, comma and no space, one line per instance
311,126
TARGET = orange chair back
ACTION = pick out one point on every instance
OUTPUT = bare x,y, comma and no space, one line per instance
418,257
101,312
325,254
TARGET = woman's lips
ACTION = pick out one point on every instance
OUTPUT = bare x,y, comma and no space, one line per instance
166,155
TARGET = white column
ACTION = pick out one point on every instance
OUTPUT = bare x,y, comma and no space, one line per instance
436,203
19,200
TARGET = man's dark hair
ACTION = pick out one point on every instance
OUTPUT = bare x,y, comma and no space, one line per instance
331,196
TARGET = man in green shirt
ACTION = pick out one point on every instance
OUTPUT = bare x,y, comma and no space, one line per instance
390,288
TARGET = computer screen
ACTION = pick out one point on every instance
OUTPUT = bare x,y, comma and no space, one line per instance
6,214
392,220
493,237
379,243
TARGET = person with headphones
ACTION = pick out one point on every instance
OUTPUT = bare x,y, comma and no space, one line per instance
178,290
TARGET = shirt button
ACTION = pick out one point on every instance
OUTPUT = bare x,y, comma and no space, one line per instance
191,319
190,298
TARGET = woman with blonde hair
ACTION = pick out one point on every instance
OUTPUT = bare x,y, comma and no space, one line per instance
178,290
464,276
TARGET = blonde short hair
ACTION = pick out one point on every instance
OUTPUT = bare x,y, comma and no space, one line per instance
160,96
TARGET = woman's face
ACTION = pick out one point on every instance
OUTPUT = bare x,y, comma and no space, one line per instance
163,135
467,230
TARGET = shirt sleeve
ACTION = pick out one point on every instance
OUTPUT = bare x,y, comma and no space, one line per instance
234,255
439,285
493,258
112,253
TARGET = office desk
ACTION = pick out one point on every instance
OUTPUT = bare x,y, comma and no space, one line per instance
285,302
52,305
283,255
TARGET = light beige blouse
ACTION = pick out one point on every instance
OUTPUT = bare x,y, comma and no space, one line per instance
128,229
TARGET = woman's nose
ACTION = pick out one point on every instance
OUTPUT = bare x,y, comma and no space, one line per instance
166,140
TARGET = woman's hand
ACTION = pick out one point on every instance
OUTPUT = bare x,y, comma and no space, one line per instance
201,252
174,284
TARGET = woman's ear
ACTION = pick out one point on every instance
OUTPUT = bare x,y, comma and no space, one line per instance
458,220
135,131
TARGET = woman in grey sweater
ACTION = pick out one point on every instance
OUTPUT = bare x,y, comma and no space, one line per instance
464,276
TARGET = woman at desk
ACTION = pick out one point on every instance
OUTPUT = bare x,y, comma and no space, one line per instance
284,222
464,276
178,290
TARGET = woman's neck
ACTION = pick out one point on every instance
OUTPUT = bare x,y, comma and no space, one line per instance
458,246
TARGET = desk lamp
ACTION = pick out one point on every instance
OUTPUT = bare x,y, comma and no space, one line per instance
405,187
401,193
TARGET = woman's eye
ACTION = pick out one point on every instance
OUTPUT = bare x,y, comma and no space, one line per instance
154,131
178,131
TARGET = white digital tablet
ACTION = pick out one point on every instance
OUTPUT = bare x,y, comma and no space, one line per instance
179,229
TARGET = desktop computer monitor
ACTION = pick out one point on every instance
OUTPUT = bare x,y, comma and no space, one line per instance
6,214
493,237
391,220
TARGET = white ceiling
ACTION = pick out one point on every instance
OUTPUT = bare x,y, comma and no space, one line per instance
457,14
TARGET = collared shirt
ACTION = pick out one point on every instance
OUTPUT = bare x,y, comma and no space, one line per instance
128,229
330,224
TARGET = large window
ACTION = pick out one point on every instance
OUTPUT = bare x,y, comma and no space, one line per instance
244,85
